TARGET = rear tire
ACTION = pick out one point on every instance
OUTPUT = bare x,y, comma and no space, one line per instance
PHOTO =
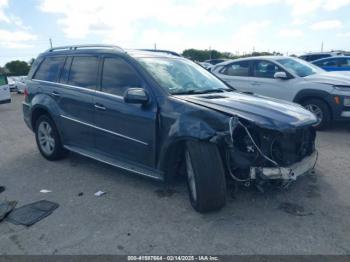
321,110
48,139
205,176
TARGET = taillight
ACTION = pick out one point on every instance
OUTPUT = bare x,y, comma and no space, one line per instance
25,92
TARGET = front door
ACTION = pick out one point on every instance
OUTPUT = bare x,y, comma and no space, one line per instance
264,83
124,131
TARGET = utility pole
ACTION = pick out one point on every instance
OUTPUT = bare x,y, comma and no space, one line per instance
322,47
155,46
50,40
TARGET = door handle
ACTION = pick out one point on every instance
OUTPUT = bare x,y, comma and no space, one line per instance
54,93
100,107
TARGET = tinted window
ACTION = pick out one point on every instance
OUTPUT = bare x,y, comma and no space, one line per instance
237,69
83,72
327,62
344,62
315,57
50,68
117,76
265,69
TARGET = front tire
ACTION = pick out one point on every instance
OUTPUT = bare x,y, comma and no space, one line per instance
205,176
321,111
47,139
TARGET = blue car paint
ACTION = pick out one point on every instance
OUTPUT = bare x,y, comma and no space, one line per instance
333,67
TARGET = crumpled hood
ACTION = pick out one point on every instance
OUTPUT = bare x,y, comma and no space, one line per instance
330,78
263,111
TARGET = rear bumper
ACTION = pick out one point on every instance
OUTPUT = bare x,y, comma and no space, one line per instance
286,173
27,115
5,101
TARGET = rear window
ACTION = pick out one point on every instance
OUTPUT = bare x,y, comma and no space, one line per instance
83,72
50,68
237,69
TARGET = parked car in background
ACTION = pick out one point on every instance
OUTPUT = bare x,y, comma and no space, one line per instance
205,65
5,95
336,63
12,83
326,94
159,115
20,84
215,61
309,57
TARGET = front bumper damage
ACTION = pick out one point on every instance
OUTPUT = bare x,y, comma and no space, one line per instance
291,172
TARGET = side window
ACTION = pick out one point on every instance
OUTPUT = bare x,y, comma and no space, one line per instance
50,69
117,76
83,72
265,69
344,62
237,69
327,62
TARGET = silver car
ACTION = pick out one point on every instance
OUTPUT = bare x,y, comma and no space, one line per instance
326,94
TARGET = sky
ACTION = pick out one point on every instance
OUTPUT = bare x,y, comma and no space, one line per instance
237,26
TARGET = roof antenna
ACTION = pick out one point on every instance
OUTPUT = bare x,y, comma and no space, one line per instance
50,40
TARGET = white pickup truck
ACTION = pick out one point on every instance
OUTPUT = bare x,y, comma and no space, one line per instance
5,95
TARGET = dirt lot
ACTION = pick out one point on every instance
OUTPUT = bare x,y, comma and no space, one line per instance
137,216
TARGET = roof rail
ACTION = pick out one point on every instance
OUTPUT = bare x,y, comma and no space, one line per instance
161,51
75,47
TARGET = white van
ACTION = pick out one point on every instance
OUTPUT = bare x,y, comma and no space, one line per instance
5,95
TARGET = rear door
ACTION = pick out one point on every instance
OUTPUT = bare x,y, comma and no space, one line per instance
74,96
238,75
125,131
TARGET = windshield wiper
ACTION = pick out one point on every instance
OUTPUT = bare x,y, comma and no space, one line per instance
193,91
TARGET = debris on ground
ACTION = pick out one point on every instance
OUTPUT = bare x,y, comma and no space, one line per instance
81,194
2,189
28,215
6,208
45,191
99,193
294,209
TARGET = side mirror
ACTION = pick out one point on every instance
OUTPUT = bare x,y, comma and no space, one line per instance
280,75
136,96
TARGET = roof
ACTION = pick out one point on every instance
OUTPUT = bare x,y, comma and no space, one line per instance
101,48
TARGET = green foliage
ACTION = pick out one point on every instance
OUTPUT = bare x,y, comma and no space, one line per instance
17,68
202,55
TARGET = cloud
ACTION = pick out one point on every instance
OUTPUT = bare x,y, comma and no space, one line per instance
246,38
326,25
308,7
291,33
16,39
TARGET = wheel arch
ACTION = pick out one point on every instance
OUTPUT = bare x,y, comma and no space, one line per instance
307,94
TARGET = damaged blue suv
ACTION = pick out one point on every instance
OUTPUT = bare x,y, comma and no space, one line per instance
156,114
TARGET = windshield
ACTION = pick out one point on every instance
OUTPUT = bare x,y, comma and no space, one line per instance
180,76
299,67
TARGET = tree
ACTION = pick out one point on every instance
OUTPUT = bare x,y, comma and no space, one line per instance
17,68
202,55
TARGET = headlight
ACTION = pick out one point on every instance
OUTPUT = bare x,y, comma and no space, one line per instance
347,101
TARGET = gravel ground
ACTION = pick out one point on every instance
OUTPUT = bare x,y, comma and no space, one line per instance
137,216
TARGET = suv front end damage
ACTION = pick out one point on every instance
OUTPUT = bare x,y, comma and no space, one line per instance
254,153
